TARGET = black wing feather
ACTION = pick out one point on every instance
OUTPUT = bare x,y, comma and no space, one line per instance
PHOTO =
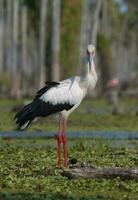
39,107
46,88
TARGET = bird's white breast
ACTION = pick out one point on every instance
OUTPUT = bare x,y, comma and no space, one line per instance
92,80
88,82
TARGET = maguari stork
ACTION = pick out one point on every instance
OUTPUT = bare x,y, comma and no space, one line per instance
60,97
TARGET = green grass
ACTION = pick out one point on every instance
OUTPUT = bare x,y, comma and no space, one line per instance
28,170
28,166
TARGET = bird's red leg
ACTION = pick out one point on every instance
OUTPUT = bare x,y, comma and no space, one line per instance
64,139
59,140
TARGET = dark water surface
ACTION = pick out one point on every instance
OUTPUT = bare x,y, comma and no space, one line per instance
73,134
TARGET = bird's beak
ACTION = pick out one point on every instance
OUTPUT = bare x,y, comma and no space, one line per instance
93,52
91,56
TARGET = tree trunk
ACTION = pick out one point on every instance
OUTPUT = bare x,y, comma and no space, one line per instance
95,22
83,36
15,82
1,35
4,34
55,68
8,36
24,50
108,173
42,32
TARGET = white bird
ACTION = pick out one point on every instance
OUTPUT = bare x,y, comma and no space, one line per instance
60,97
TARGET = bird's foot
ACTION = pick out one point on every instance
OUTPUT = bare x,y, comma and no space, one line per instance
58,164
66,164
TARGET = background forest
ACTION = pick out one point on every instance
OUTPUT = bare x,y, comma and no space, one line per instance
46,40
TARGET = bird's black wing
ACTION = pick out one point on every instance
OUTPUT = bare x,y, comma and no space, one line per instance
46,88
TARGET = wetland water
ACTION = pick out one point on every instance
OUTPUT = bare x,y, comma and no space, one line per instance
115,139
72,134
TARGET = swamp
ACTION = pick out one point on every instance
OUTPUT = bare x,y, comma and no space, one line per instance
28,163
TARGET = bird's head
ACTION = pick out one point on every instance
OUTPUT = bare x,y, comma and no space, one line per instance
90,52
90,49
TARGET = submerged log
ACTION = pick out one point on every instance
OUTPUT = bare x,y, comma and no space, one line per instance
108,173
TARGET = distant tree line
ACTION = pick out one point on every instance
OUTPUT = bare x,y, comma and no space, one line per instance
47,39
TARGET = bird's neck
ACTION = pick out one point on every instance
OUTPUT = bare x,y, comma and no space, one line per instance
90,77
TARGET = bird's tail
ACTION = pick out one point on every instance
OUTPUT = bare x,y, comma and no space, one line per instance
25,116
